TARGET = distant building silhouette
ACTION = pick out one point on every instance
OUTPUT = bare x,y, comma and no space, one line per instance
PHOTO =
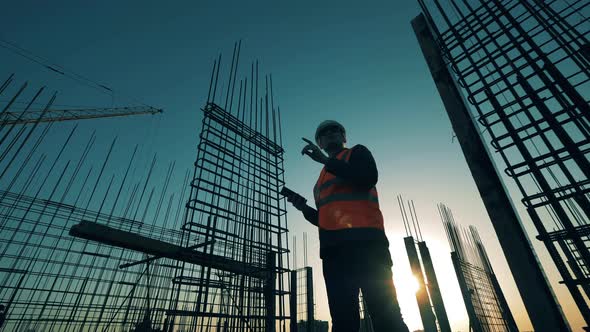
317,326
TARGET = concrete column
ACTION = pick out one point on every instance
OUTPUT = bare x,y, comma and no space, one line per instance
539,300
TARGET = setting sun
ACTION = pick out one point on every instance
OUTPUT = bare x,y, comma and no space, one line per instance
407,284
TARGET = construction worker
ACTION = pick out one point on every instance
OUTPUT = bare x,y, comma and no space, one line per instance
353,244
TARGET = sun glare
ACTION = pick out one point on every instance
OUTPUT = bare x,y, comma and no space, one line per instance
408,283
406,287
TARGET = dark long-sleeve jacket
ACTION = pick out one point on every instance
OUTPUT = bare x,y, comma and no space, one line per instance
360,171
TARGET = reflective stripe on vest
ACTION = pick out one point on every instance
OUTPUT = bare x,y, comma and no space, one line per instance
342,206
356,196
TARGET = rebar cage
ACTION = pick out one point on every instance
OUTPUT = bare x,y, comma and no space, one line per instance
50,281
236,212
233,220
484,300
524,67
303,318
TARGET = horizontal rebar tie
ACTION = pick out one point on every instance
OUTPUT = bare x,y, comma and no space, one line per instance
232,123
582,230
189,313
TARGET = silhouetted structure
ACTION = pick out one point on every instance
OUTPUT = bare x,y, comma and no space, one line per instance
302,304
3,313
428,295
48,280
212,258
366,324
316,326
521,69
484,300
50,115
235,209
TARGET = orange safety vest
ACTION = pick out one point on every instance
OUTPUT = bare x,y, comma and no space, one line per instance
342,206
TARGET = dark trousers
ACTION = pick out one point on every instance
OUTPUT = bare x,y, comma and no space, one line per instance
345,276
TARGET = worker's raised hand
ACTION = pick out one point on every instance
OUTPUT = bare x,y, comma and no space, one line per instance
314,152
298,201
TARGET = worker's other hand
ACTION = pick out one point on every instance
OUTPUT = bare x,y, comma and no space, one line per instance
314,152
298,201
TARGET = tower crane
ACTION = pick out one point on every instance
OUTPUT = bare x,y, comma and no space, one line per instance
11,118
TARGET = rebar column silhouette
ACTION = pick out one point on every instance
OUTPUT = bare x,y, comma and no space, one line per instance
235,206
520,68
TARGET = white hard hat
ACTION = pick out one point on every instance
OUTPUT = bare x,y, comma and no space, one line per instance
328,123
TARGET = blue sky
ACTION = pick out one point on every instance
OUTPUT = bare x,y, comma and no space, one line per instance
358,63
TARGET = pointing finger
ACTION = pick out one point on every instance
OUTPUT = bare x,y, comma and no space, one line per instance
307,141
